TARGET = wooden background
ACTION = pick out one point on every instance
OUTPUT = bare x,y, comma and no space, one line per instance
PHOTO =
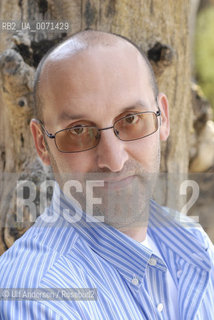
159,27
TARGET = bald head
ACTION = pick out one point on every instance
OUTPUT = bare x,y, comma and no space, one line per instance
71,48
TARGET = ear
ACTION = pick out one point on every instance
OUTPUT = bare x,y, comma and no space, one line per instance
39,142
165,124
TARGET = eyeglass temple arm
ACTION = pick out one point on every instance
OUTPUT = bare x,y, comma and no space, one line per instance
50,135
158,113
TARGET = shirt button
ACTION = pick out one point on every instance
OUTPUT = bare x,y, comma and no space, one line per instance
160,307
152,262
135,281
179,272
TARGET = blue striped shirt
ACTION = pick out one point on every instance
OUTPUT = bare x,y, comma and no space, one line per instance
67,250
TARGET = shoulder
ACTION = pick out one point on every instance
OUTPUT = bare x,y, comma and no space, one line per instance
173,225
26,262
190,225
35,309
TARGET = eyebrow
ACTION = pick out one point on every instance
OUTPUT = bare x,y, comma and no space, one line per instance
135,105
67,116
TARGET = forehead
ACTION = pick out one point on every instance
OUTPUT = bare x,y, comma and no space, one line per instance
98,75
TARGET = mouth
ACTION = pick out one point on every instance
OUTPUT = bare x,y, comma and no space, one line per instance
117,184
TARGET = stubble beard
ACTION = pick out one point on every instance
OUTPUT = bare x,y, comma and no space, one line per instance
127,207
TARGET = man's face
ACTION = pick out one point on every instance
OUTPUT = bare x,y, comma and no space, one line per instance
97,86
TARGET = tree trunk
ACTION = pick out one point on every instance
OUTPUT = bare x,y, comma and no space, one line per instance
159,27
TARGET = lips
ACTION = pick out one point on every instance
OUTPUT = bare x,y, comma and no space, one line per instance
116,184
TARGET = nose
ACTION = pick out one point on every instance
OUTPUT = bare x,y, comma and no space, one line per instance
111,152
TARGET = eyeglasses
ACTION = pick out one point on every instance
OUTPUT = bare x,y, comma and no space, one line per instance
133,126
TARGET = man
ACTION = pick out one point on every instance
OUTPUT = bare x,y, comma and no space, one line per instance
99,124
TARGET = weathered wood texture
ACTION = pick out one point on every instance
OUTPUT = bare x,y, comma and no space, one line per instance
159,27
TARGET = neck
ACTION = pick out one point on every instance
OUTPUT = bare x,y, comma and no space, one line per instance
136,233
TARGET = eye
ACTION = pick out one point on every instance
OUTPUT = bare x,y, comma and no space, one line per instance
78,130
131,118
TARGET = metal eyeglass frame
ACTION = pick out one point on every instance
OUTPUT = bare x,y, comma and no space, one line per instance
53,136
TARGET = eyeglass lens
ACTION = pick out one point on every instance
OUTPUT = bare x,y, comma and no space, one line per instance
131,127
136,126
